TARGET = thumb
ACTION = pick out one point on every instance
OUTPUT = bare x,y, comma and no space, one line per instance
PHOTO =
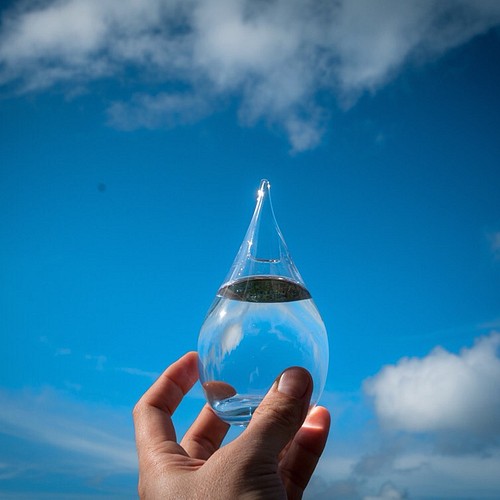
281,413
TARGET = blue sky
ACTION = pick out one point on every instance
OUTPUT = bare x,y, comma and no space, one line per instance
132,143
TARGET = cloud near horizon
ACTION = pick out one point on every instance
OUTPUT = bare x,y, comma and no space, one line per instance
277,58
440,418
428,398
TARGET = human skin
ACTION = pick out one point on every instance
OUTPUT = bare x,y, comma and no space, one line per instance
273,458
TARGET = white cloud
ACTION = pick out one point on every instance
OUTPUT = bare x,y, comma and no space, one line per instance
387,492
274,56
442,392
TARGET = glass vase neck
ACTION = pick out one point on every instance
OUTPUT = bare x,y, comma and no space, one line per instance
263,251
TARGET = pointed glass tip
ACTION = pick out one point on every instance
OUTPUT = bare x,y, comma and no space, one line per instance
264,188
263,251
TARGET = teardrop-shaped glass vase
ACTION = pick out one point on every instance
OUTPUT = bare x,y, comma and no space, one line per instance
262,321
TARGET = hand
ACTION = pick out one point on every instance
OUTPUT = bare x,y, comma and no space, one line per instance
273,458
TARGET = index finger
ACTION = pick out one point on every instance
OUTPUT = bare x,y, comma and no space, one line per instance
153,412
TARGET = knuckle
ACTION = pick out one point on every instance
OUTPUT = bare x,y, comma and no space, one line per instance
137,410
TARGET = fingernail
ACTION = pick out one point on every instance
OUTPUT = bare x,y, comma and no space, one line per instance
294,382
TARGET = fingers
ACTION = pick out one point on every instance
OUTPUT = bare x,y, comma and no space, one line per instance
205,435
301,456
280,414
152,414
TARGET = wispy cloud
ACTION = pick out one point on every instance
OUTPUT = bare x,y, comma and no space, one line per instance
140,373
63,351
99,359
50,418
494,239
159,110
276,58
52,446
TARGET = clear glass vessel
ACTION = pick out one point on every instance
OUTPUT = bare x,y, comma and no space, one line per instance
262,321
